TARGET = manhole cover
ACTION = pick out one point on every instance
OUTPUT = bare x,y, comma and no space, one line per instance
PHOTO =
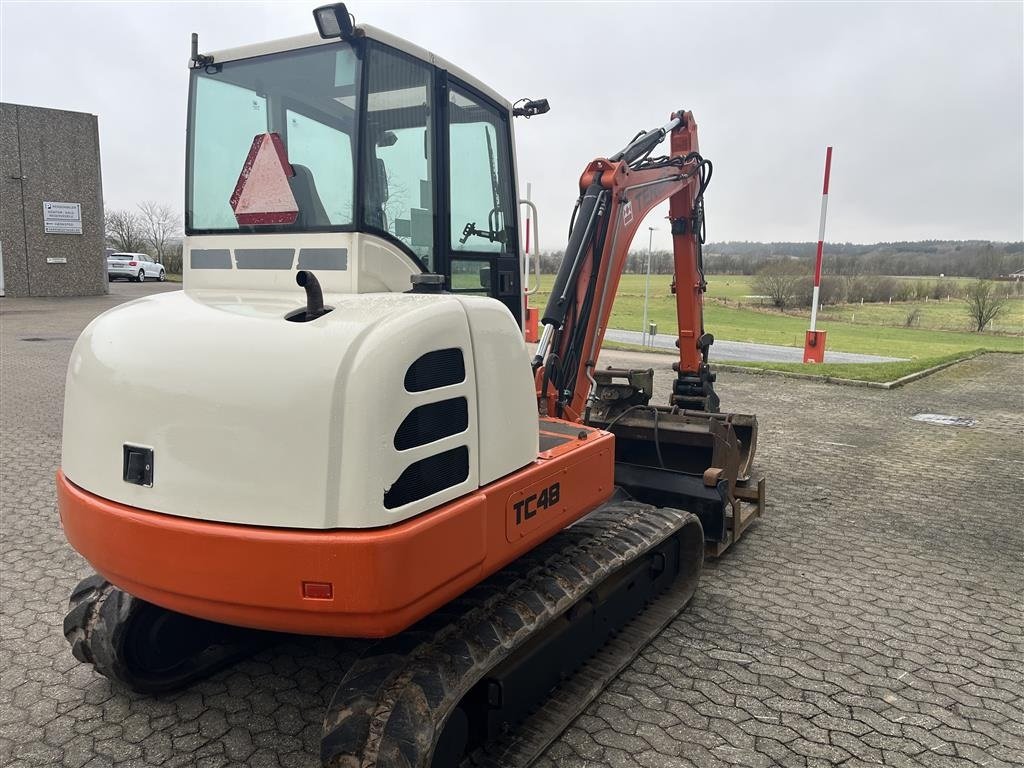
945,421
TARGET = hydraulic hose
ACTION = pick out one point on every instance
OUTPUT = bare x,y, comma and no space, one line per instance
561,294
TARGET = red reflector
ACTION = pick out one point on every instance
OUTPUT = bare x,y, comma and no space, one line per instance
317,590
133,263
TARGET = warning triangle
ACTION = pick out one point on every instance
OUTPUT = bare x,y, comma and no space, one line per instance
262,194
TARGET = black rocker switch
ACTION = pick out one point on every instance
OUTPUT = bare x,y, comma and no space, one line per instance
138,465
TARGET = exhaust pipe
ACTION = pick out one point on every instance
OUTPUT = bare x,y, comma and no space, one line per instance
314,296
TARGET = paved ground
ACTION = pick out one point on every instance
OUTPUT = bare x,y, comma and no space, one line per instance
873,617
735,351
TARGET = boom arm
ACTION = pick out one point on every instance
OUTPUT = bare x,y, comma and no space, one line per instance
616,194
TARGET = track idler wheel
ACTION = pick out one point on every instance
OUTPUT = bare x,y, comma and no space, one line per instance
147,648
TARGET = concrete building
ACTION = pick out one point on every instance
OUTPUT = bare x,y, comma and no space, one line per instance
51,203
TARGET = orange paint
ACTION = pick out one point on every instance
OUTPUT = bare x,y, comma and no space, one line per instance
814,347
636,194
346,583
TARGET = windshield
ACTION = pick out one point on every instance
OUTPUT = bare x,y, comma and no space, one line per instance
272,142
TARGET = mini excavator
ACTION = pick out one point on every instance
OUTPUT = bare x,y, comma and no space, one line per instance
342,432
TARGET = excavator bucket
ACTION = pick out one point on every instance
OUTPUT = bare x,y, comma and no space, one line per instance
693,460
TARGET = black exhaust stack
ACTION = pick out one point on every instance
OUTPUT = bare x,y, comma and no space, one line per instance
314,299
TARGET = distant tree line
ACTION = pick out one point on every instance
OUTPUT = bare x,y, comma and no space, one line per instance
963,258
932,258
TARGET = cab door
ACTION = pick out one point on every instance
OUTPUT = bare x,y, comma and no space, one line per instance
478,244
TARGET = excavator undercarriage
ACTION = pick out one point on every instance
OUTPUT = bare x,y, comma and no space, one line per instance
490,679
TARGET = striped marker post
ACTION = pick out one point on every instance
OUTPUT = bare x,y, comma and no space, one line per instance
814,342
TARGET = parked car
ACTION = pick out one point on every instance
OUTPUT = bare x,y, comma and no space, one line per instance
133,266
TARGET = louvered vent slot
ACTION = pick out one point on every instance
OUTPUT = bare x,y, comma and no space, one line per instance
429,476
431,422
440,368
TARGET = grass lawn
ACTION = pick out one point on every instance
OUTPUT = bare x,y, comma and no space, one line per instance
938,315
764,326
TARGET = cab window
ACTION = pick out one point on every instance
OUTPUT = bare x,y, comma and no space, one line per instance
398,190
325,153
479,176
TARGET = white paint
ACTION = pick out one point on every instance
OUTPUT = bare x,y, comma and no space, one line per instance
814,307
308,41
374,264
821,221
261,421
56,260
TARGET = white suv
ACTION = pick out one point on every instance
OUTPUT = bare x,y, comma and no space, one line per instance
133,266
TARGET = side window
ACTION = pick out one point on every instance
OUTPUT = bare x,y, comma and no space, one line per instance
326,153
398,188
479,176
227,117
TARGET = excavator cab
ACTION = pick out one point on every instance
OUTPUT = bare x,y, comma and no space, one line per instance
367,141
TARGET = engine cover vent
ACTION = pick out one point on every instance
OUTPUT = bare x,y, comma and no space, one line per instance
431,422
440,368
429,476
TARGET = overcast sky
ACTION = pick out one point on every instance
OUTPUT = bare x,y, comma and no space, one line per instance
924,103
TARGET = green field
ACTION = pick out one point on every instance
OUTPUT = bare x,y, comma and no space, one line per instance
730,314
938,315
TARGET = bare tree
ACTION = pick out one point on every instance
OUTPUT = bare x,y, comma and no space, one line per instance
984,303
160,226
784,282
173,258
124,230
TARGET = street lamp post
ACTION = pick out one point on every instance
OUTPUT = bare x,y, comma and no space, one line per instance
647,289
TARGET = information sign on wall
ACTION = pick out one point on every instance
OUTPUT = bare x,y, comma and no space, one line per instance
62,218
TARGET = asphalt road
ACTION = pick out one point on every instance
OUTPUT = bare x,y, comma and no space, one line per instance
737,351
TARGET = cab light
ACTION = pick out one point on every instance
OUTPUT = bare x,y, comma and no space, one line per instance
334,21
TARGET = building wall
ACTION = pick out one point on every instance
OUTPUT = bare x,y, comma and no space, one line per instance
50,155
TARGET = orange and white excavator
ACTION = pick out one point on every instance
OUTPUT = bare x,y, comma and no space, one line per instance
342,431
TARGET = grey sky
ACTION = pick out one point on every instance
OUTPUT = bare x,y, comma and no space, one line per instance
924,103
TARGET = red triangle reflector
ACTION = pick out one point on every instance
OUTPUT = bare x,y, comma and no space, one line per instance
262,194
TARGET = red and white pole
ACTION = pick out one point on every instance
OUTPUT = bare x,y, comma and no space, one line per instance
814,345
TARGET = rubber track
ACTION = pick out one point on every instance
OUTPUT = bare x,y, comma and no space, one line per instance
392,706
101,619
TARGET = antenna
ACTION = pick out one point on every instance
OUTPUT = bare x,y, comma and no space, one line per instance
198,59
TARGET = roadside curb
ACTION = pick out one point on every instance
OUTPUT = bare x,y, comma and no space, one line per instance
910,377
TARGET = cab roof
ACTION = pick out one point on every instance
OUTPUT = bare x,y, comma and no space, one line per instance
364,30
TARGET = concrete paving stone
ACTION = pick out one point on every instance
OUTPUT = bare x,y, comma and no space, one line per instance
872,617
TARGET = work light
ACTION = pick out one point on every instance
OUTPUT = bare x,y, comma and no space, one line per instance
334,21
